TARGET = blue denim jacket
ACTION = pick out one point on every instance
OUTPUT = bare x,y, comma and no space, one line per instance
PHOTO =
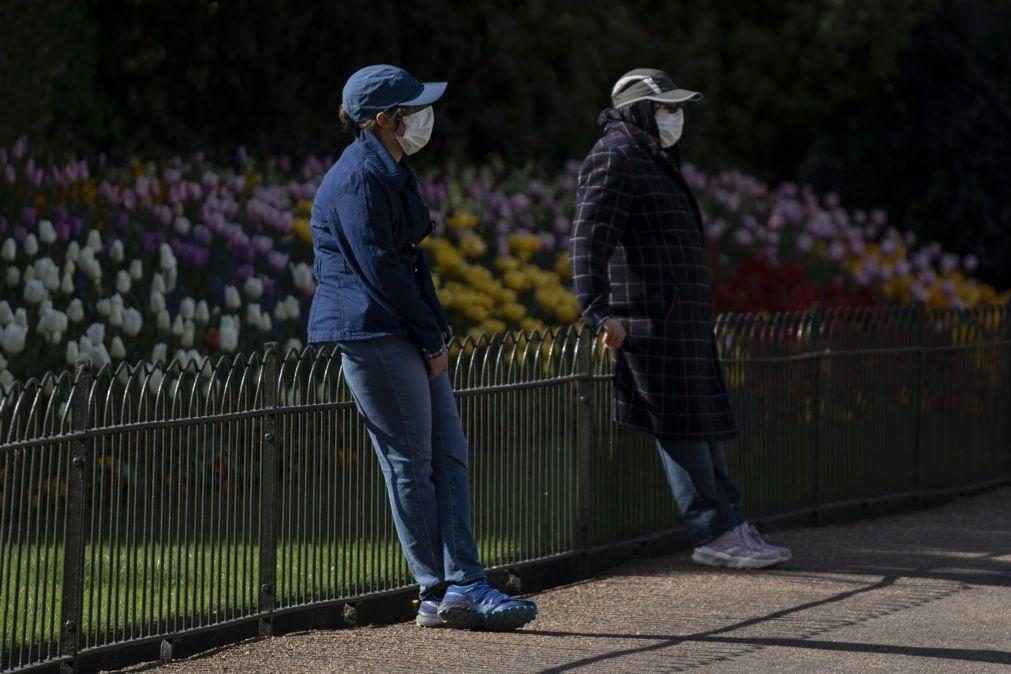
372,278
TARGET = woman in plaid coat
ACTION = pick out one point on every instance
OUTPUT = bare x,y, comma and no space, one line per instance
639,267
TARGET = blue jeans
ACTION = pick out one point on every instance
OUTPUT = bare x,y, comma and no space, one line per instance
416,431
709,501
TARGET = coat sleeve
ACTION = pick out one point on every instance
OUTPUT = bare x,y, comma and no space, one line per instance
364,232
603,202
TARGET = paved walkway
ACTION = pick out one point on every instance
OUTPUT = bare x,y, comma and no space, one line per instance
924,591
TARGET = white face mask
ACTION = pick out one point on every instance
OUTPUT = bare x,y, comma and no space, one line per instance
417,130
670,125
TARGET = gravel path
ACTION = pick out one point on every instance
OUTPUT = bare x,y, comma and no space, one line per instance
929,590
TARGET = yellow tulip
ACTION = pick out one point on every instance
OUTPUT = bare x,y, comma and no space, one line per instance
516,280
302,229
462,220
512,311
507,263
303,208
473,245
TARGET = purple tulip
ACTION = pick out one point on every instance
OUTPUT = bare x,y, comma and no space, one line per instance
263,244
28,216
743,237
277,260
244,252
163,214
284,164
202,235
3,224
244,272
76,225
62,231
121,222
3,155
10,174
970,262
20,234
20,147
268,286
150,242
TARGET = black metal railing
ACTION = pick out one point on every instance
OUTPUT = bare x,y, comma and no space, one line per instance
148,501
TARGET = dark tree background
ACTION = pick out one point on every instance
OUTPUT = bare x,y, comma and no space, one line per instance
903,105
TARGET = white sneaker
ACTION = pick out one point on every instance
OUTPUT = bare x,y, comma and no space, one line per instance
756,538
735,550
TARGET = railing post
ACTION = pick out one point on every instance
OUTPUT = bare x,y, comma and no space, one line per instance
921,337
1007,332
81,460
584,437
268,490
816,345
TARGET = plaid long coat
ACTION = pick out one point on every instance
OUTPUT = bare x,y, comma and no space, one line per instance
638,255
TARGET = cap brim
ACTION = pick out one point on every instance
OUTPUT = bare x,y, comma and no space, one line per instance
432,92
677,96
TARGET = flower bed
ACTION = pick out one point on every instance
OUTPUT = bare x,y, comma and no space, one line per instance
182,259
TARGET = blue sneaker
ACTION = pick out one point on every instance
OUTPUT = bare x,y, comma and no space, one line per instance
479,605
428,614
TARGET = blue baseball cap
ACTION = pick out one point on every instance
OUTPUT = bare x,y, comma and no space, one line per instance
376,89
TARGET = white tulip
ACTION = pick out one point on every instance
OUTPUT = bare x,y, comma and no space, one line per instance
122,281
47,233
116,314
136,270
21,316
202,315
163,322
182,225
75,311
177,326
13,338
6,379
158,283
72,353
6,315
9,250
13,276
171,276
116,251
189,334
157,302
96,333
118,350
294,307
31,245
94,240
253,314
104,306
133,321
3,362
281,311
187,308
159,352
229,332
73,250
69,267
55,337
53,321
100,355
301,274
35,292
292,344
253,287
67,286
166,257
50,276
154,381
232,299
29,274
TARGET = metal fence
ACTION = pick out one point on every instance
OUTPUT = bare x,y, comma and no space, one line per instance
151,501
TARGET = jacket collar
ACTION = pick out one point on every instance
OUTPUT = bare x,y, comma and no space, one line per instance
646,141
379,159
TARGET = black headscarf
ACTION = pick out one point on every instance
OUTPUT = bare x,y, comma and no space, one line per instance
641,114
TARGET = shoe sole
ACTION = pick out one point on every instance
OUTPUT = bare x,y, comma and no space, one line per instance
726,561
429,621
506,620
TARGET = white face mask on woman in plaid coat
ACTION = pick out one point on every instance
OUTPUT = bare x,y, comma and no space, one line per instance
638,255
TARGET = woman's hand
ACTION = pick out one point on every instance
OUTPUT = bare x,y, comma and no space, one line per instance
614,333
438,365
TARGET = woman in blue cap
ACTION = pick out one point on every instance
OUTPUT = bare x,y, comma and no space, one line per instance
375,300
